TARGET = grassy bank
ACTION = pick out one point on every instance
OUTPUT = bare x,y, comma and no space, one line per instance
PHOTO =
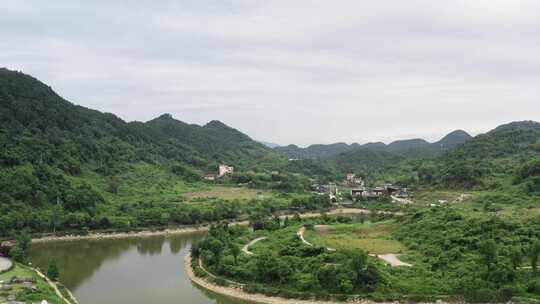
35,292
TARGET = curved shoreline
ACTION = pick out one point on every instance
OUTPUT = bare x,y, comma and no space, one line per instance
242,295
237,293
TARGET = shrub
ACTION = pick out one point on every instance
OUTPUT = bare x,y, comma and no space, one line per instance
534,287
481,295
52,271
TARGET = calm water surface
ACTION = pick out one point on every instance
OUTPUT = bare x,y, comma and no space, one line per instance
138,270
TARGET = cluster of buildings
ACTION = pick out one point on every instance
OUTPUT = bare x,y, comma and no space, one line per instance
378,192
359,189
222,171
331,189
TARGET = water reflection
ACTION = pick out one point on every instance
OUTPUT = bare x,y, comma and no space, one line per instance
137,270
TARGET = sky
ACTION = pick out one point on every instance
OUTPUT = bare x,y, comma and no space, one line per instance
288,72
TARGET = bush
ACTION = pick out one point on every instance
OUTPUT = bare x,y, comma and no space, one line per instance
52,271
17,254
481,295
534,287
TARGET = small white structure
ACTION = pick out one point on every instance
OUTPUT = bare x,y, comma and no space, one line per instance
224,169
210,177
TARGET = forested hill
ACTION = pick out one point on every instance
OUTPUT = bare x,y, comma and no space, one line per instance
508,156
37,125
215,142
410,148
64,166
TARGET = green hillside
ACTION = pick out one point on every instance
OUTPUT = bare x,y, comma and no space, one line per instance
60,157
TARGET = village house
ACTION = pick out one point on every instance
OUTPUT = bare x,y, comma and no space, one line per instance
224,169
358,192
392,188
379,191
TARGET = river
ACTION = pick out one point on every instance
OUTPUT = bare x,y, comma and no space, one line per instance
136,271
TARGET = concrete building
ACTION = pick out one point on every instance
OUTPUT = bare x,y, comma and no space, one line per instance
224,169
358,192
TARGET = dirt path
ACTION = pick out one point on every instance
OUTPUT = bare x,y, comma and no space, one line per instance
401,200
245,249
392,259
300,234
55,288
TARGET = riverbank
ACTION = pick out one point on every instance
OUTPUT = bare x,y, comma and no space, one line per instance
23,284
120,235
183,230
239,294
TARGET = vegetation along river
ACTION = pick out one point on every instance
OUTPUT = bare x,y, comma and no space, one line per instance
136,270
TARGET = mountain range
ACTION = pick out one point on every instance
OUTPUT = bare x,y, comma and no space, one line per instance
38,125
39,130
410,148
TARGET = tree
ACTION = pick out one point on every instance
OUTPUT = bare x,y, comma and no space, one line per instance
534,255
23,239
114,185
358,265
17,254
52,270
516,257
57,214
235,251
286,222
269,268
488,251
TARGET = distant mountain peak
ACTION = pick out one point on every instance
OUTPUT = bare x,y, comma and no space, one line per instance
165,116
525,124
453,139
216,124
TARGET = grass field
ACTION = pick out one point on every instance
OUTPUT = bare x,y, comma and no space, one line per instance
373,238
228,193
275,241
44,292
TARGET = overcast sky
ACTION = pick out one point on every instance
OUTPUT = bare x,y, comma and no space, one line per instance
288,71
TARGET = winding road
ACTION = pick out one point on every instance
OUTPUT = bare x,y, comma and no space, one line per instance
245,249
